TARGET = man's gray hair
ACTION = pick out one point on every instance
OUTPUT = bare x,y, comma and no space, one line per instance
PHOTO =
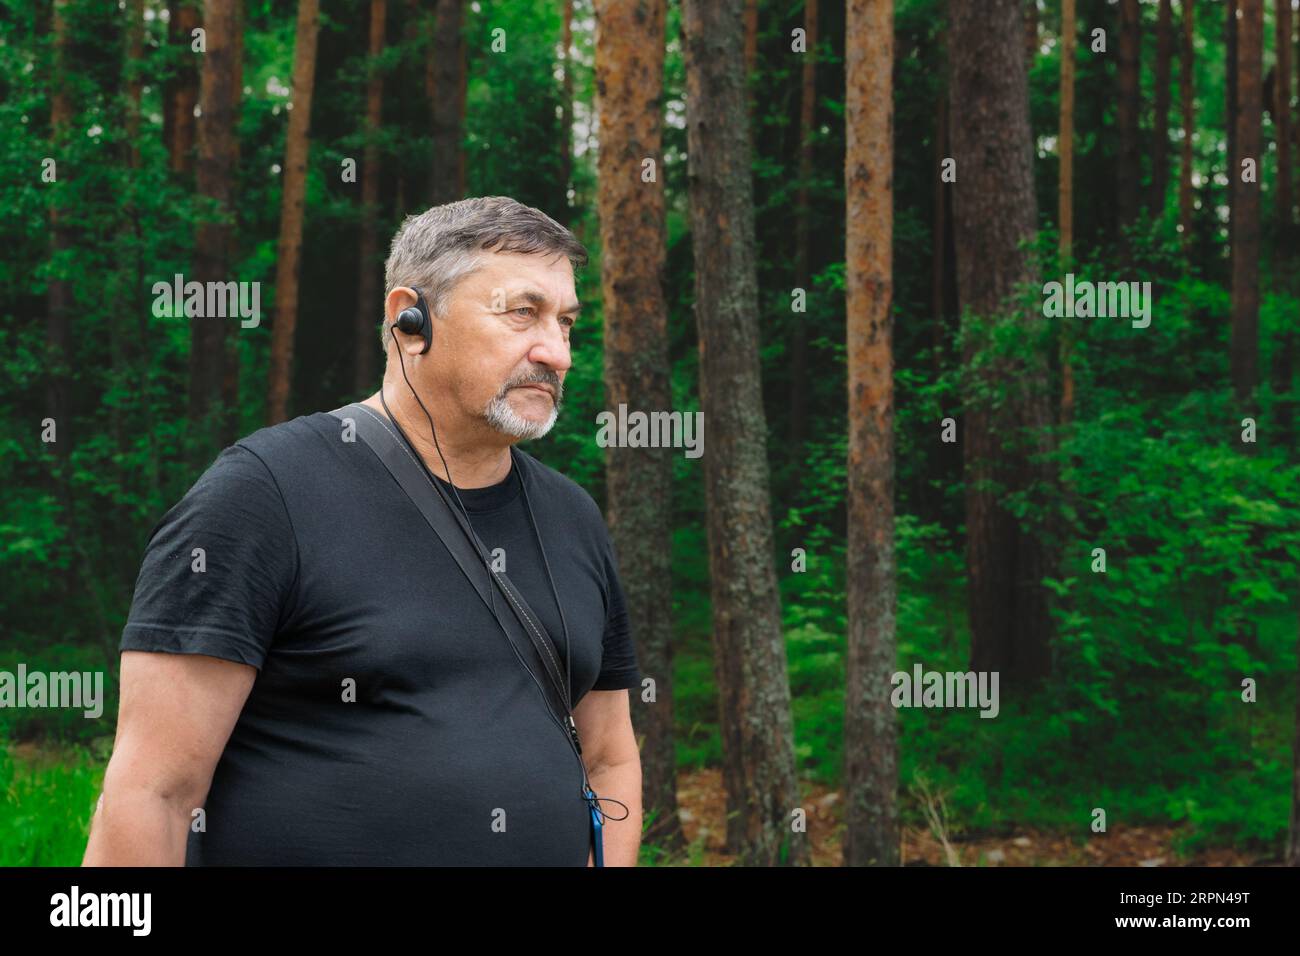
442,245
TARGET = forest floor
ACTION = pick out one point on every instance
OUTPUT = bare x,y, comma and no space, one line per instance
702,802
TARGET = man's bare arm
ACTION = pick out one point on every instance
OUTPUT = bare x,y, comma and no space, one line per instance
175,716
613,761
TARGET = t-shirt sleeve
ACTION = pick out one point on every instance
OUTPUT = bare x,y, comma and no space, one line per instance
618,663
226,600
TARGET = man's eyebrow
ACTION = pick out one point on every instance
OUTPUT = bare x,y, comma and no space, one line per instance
534,297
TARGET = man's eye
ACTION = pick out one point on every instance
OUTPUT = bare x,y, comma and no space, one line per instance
568,321
524,308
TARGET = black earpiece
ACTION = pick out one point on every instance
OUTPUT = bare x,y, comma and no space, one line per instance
415,320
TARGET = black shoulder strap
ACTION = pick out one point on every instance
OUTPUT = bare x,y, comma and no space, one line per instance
451,528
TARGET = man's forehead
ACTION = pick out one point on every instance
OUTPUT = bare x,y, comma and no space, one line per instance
528,276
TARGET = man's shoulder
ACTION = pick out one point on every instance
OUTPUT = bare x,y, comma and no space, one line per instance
287,442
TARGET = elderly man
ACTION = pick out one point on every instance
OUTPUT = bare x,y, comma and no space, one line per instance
307,675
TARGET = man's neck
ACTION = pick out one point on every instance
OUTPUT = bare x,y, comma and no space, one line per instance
475,464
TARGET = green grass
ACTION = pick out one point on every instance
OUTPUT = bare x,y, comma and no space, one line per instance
46,804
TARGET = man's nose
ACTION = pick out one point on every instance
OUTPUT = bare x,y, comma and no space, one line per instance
552,350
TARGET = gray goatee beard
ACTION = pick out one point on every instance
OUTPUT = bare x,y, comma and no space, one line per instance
500,415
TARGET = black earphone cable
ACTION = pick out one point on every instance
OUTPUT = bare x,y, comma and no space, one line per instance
481,549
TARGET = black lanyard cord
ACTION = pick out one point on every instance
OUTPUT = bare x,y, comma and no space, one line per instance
569,731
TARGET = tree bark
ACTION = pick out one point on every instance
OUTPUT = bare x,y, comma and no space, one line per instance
1244,349
291,213
448,61
369,304
1185,92
1284,353
1031,32
181,94
1230,120
994,211
802,279
629,81
1282,118
1129,167
566,112
753,686
219,91
870,731
58,295
1160,149
1065,195
938,269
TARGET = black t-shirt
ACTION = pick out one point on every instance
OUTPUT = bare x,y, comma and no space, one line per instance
318,570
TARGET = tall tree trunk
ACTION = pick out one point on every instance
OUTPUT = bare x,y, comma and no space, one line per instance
940,236
291,213
181,94
1160,151
231,425
1185,92
1244,349
566,114
220,86
448,60
751,59
58,296
1031,32
369,305
799,320
758,765
629,79
1285,352
1230,120
993,212
870,732
1065,196
1129,166
1282,118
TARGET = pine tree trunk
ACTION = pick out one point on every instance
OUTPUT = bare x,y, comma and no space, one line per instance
1244,349
291,213
231,424
1282,120
994,210
1160,149
1230,121
1031,33
1285,352
1185,206
448,59
58,296
749,650
566,116
799,320
751,60
370,309
1065,195
870,732
181,94
629,79
939,238
1129,167
220,87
